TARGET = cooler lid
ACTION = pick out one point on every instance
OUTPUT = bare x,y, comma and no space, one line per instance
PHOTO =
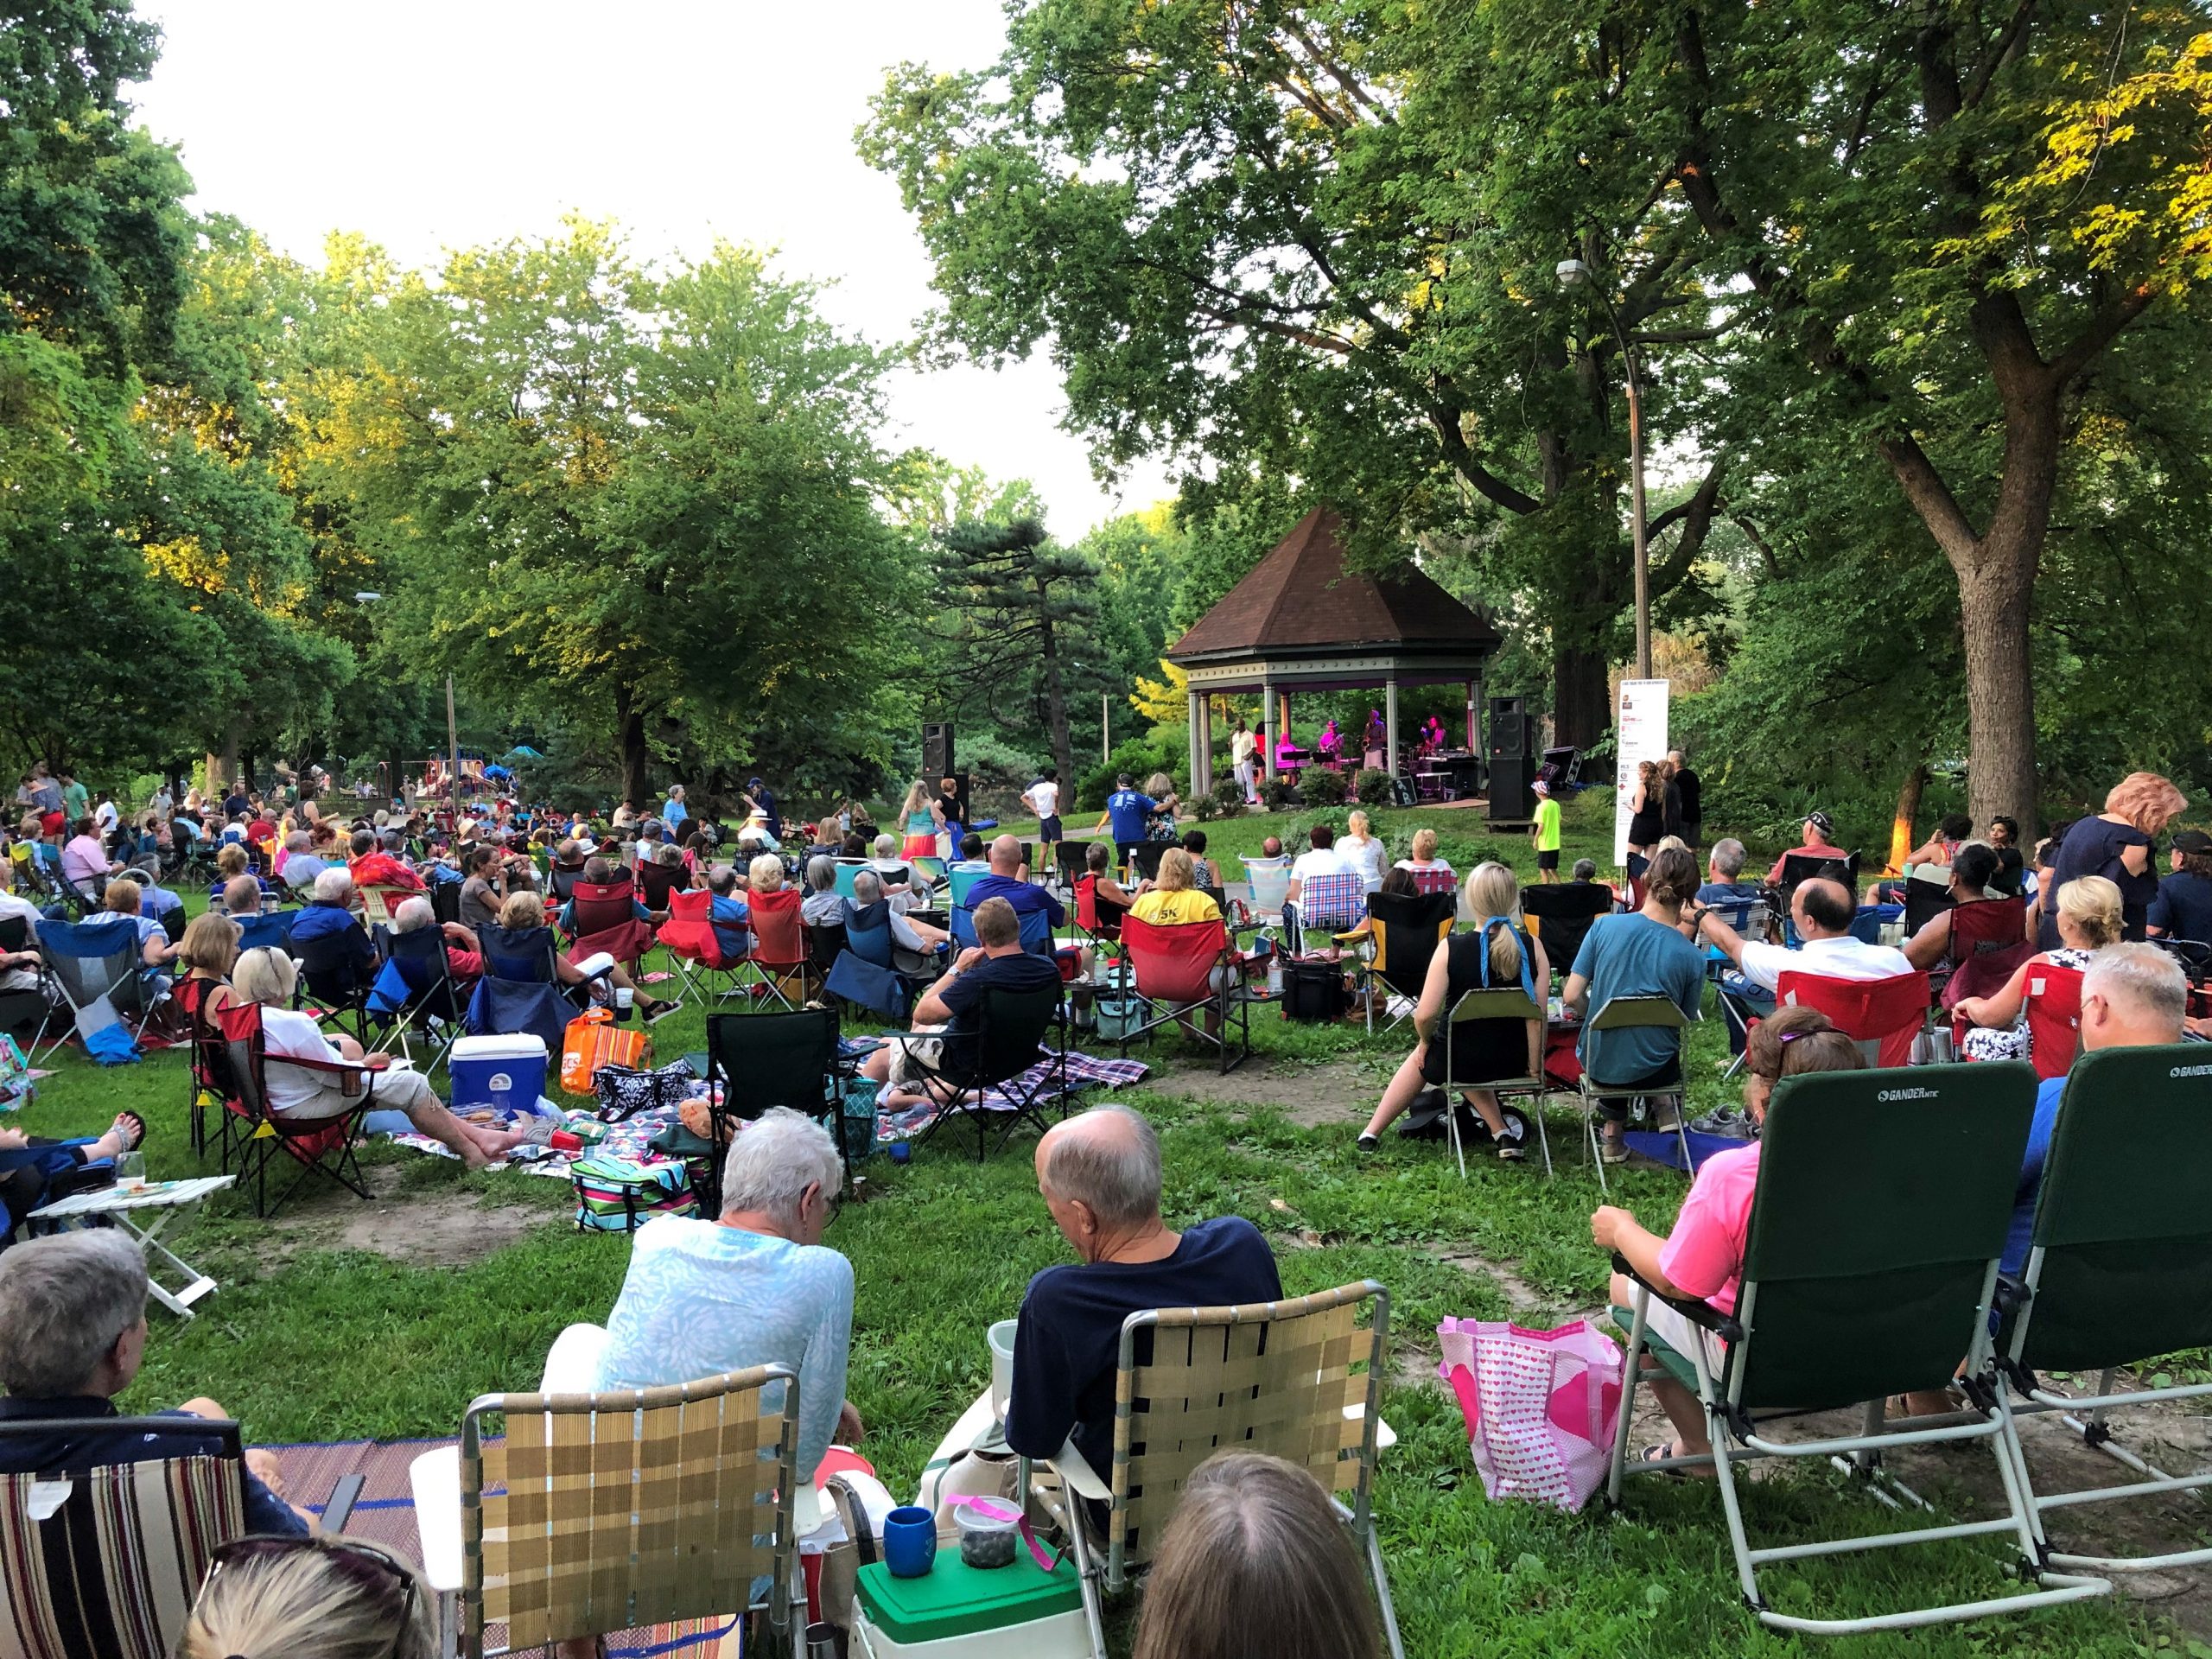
516,1046
954,1599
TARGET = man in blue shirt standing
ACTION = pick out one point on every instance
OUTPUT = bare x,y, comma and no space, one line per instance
2132,996
2183,909
1130,813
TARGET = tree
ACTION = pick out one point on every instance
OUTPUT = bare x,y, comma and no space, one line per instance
1285,238
1016,601
1949,217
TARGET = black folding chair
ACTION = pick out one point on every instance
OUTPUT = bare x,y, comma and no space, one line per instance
337,978
1007,1039
1562,914
759,1060
434,1007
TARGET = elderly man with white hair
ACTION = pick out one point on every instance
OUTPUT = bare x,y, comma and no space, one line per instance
905,932
464,951
755,1287
331,912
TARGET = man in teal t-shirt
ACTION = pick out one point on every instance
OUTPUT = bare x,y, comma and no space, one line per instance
1545,837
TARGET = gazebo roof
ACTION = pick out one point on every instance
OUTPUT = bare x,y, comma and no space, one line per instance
1300,600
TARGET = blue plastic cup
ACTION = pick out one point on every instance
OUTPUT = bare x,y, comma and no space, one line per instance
909,1541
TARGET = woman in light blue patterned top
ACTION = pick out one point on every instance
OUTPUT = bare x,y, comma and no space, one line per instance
755,1288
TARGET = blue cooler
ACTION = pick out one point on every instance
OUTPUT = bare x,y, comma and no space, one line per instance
504,1073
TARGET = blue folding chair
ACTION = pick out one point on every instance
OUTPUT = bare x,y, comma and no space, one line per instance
270,930
95,966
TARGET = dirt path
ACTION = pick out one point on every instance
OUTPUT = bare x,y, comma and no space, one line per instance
1310,1094
423,1227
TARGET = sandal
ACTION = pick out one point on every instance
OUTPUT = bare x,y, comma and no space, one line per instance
1658,1452
132,1127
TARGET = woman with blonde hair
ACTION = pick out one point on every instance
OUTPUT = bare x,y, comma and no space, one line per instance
1161,788
1498,955
1254,1560
2090,917
919,819
1173,898
1363,850
309,1597
1423,855
2116,844
206,955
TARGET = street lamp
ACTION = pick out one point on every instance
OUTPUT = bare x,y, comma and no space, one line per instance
1574,273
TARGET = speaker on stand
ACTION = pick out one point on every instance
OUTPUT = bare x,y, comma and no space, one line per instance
936,750
1512,762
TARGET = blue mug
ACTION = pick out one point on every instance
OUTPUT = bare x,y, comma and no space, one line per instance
909,1541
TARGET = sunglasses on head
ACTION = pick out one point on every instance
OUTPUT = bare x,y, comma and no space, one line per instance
374,1572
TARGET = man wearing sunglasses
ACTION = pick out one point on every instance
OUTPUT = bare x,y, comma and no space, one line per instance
72,1331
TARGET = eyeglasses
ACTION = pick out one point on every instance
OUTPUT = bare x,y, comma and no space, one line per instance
373,1571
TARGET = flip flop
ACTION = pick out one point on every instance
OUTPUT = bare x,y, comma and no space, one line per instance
1659,1453
133,1127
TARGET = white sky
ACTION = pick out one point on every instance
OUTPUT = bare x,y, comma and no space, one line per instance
434,125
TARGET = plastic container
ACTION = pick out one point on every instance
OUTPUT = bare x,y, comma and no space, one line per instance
1000,1337
988,1541
964,1612
504,1073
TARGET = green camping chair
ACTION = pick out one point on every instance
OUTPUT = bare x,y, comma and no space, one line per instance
1876,1231
1620,1013
1499,1002
2117,1270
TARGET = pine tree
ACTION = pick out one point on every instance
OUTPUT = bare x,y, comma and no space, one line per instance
1019,601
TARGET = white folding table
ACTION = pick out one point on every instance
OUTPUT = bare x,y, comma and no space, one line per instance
145,1214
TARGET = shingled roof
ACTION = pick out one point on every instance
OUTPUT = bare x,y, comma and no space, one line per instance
1301,597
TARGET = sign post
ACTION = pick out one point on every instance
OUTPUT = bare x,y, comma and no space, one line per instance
1640,735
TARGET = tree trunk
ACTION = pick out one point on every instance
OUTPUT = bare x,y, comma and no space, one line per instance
1901,835
1579,710
395,783
1994,605
1056,701
630,729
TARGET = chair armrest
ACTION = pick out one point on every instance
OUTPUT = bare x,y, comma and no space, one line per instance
1702,1314
1072,1467
345,1492
435,1478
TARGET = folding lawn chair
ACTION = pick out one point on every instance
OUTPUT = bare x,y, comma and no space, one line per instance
601,918
207,1074
656,881
1406,933
337,982
1622,1013
1185,968
25,1008
1298,1379
1005,1042
1989,942
1270,879
1328,904
561,881
328,1147
270,931
94,965
1502,1002
759,1060
2054,1007
1924,900
1881,1015
2116,1271
962,883
1100,923
1560,915
111,1570
379,902
1433,879
1798,867
597,1513
693,946
1868,1273
780,961
432,1007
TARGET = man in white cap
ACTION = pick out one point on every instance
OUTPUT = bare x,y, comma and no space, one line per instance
1543,835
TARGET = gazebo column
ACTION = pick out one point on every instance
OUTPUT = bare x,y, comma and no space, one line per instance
1192,700
1390,724
1205,743
1267,727
1474,736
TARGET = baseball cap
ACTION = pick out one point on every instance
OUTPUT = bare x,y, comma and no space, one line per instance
1541,787
2192,842
1821,822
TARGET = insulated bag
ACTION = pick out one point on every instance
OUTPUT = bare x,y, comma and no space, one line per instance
625,1091
619,1195
593,1040
1314,990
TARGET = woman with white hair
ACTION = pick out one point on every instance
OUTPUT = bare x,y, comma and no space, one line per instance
269,977
756,1287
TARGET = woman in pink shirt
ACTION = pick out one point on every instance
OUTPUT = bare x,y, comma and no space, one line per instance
1702,1259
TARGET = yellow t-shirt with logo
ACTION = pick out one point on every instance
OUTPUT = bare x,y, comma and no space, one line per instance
1546,826
1167,909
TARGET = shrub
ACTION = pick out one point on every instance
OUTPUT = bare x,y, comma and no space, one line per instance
1228,797
1162,749
1277,794
1372,786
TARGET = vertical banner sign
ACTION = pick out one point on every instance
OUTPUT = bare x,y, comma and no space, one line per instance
1640,731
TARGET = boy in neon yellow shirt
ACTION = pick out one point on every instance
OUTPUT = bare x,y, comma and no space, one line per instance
1544,837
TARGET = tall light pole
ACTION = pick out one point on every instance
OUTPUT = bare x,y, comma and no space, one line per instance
1574,273
453,736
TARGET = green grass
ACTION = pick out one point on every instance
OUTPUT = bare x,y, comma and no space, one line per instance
318,1344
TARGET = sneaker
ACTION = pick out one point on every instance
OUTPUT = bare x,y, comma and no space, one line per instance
1726,1122
1612,1149
1369,1143
1511,1145
1667,1114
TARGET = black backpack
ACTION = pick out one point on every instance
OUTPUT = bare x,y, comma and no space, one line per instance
1313,991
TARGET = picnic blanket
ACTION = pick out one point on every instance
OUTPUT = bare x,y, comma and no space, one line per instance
1084,1071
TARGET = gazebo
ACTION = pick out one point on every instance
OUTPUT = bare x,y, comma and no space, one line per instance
1300,621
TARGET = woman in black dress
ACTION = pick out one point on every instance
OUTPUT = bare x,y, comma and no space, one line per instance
1497,955
1647,823
2117,845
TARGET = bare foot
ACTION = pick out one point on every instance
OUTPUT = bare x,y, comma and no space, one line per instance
262,1464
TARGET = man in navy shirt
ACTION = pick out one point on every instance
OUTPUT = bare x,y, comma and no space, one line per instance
1130,814
950,1007
72,1331
2183,909
2133,995
1005,882
1099,1174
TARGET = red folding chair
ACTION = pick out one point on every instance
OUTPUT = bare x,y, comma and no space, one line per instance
1183,969
690,937
1102,922
1881,1015
2054,1004
328,1147
1989,942
601,918
779,947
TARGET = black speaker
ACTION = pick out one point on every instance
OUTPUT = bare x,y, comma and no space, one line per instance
936,750
1509,727
1511,801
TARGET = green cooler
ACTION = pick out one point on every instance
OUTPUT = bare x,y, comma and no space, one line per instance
959,1612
